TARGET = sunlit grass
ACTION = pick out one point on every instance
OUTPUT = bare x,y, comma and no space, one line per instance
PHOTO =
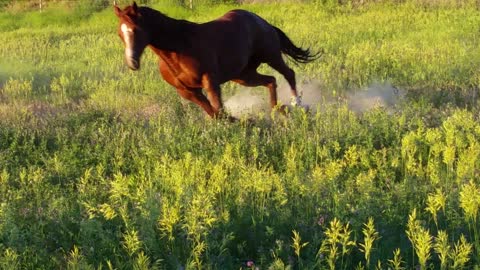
104,167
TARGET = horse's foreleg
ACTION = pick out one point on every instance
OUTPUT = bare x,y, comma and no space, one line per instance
196,96
214,94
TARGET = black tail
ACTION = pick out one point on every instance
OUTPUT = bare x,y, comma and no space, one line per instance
296,53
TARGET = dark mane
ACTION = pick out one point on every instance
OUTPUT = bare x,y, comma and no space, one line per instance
161,26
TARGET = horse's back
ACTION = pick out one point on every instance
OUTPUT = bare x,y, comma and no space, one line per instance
246,27
245,17
239,39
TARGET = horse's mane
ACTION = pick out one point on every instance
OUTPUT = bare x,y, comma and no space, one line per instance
164,28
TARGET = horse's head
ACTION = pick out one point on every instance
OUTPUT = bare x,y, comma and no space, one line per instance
133,33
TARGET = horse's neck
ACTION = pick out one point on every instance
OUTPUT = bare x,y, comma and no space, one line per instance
170,34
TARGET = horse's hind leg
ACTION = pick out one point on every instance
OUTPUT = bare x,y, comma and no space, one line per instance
252,79
279,65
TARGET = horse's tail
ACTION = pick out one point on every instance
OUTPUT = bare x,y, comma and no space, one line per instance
296,53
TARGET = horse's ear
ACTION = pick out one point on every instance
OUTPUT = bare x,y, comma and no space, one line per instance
118,11
135,7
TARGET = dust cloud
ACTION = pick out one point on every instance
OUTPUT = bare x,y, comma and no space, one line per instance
248,102
376,95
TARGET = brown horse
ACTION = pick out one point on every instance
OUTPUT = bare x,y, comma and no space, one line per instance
194,56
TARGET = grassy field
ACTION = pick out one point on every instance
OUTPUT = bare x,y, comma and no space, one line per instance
105,168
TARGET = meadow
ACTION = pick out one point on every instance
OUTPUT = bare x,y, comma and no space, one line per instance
105,168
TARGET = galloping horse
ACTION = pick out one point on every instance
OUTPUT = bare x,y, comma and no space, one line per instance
194,56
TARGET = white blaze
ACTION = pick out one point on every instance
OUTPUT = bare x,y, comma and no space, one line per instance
127,37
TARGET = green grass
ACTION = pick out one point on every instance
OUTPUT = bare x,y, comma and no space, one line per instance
102,167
